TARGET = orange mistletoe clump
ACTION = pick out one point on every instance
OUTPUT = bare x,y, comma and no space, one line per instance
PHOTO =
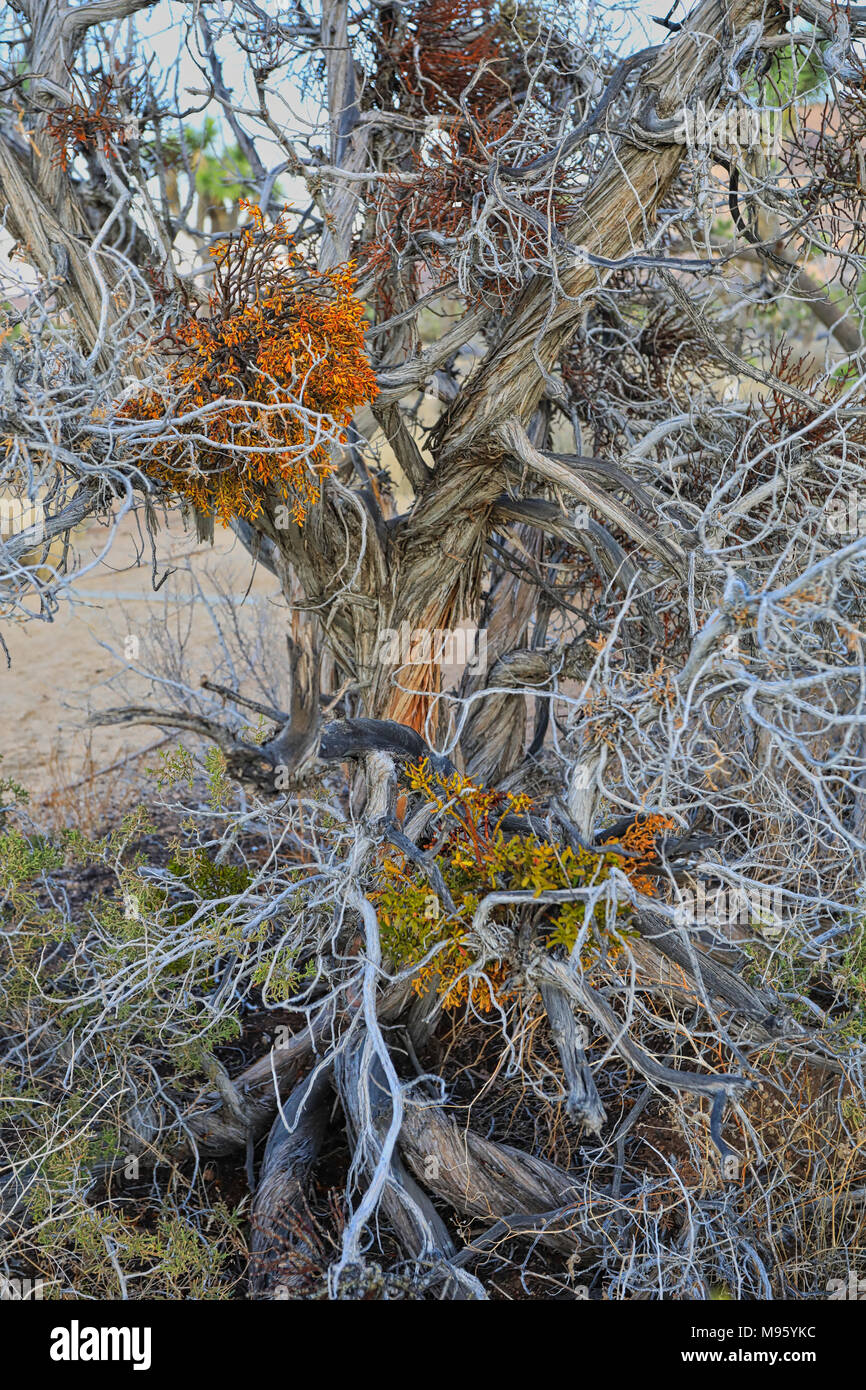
259,389
642,835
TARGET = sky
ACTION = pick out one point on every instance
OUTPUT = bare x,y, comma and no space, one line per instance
161,33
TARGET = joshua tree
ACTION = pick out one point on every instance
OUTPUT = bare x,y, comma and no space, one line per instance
561,346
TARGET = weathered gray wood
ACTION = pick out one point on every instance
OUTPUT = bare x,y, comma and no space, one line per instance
583,1102
367,1107
483,1179
284,1256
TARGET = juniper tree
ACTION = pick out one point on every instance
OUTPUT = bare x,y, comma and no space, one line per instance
561,344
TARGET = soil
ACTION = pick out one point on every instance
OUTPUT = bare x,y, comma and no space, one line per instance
61,669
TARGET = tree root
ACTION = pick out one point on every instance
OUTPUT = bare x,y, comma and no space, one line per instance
283,1247
480,1178
420,1230
583,1102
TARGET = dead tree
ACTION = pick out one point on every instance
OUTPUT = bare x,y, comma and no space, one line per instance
629,483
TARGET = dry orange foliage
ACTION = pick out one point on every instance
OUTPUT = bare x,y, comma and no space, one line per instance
642,835
448,45
258,389
98,125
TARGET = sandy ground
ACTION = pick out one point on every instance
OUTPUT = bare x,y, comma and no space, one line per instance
61,668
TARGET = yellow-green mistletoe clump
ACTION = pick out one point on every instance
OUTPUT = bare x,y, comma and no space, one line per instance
480,856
